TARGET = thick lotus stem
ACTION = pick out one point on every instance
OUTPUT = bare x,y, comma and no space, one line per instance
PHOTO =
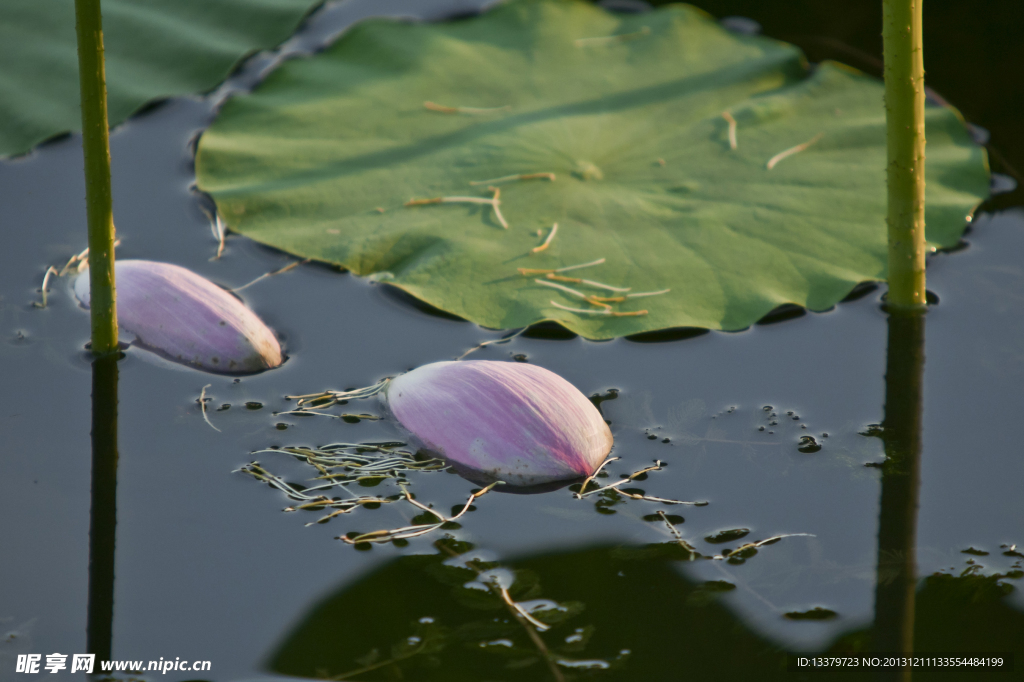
904,105
96,149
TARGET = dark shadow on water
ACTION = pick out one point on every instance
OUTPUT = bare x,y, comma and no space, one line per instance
784,312
407,300
484,478
551,331
860,291
615,613
667,335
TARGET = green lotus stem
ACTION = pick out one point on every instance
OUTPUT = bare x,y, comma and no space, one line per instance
904,105
96,149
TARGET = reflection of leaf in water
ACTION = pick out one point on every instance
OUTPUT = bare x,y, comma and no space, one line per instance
463,644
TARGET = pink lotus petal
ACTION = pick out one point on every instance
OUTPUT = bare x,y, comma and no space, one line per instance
188,318
508,421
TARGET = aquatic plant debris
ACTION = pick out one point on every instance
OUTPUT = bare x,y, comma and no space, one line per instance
742,550
79,260
301,162
732,129
188,319
45,288
547,241
658,465
503,339
407,532
341,464
433,106
792,150
202,400
266,275
494,202
511,178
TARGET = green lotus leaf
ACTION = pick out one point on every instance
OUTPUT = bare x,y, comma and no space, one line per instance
630,113
154,49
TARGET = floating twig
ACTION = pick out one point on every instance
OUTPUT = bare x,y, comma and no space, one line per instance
74,259
46,283
202,406
497,206
679,536
639,294
448,200
729,552
569,290
219,233
615,487
658,464
407,532
472,111
82,259
354,462
504,339
732,128
792,150
307,413
547,242
271,274
567,268
510,178
522,616
493,202
606,311
607,40
562,287
592,476
319,401
760,543
507,598
590,282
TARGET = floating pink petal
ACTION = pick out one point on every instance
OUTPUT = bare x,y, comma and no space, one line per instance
507,421
188,318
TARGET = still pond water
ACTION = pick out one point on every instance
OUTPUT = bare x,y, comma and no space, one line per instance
209,568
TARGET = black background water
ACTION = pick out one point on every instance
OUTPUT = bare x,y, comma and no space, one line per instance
207,566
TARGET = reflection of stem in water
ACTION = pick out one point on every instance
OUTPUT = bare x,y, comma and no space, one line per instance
103,516
897,526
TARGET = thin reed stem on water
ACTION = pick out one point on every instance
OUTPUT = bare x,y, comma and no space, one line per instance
904,106
96,149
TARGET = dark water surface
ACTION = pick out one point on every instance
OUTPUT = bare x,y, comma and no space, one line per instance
209,568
